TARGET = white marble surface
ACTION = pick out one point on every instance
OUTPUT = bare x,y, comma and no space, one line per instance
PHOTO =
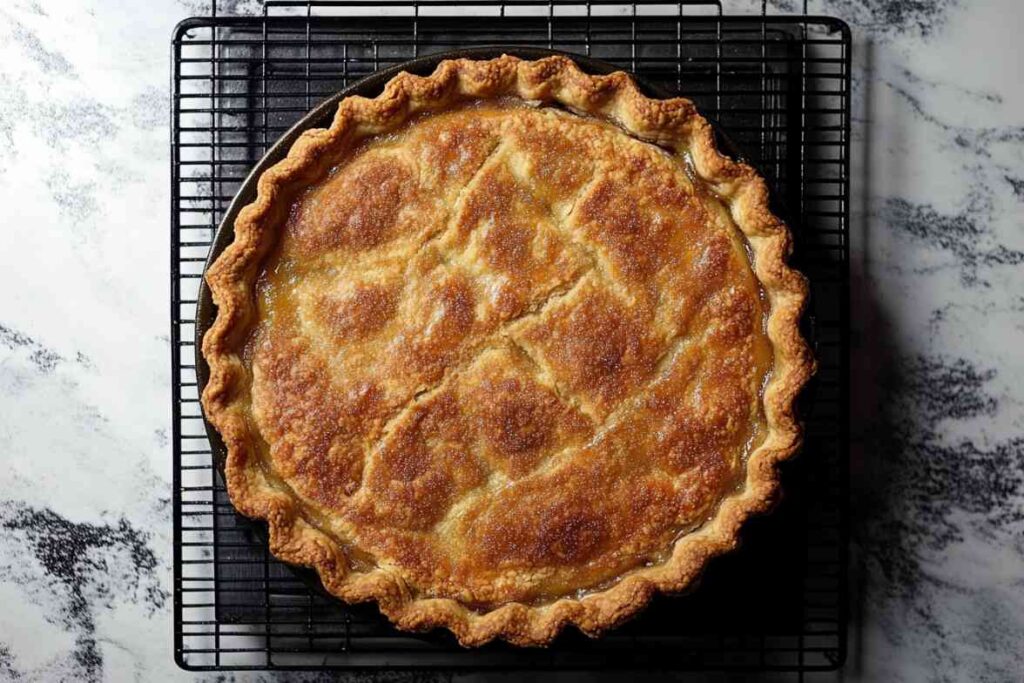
85,529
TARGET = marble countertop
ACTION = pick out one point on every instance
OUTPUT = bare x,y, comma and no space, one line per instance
938,282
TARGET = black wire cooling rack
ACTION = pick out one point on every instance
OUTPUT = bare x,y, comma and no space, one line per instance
779,85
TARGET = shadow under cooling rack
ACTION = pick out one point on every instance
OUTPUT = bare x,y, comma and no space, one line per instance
778,86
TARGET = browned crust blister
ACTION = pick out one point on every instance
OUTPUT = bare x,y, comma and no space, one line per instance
672,123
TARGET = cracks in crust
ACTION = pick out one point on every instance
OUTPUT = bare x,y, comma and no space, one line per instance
599,269
419,395
675,346
512,344
536,309
599,264
545,379
502,334
470,356
453,208
675,343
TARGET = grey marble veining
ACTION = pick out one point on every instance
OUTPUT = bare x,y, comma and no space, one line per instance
938,282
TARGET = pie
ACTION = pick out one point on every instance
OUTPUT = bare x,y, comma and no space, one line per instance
506,348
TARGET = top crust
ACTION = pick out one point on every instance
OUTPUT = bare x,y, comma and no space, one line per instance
491,386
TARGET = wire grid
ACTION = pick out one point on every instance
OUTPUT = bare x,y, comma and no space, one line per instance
778,85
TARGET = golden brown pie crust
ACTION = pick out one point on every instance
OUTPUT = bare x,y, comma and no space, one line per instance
488,356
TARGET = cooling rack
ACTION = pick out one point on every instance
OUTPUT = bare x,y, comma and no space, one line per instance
779,85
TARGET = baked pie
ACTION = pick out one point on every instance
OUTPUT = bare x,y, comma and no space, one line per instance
505,348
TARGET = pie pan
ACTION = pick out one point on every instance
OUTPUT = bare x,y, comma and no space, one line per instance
317,118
